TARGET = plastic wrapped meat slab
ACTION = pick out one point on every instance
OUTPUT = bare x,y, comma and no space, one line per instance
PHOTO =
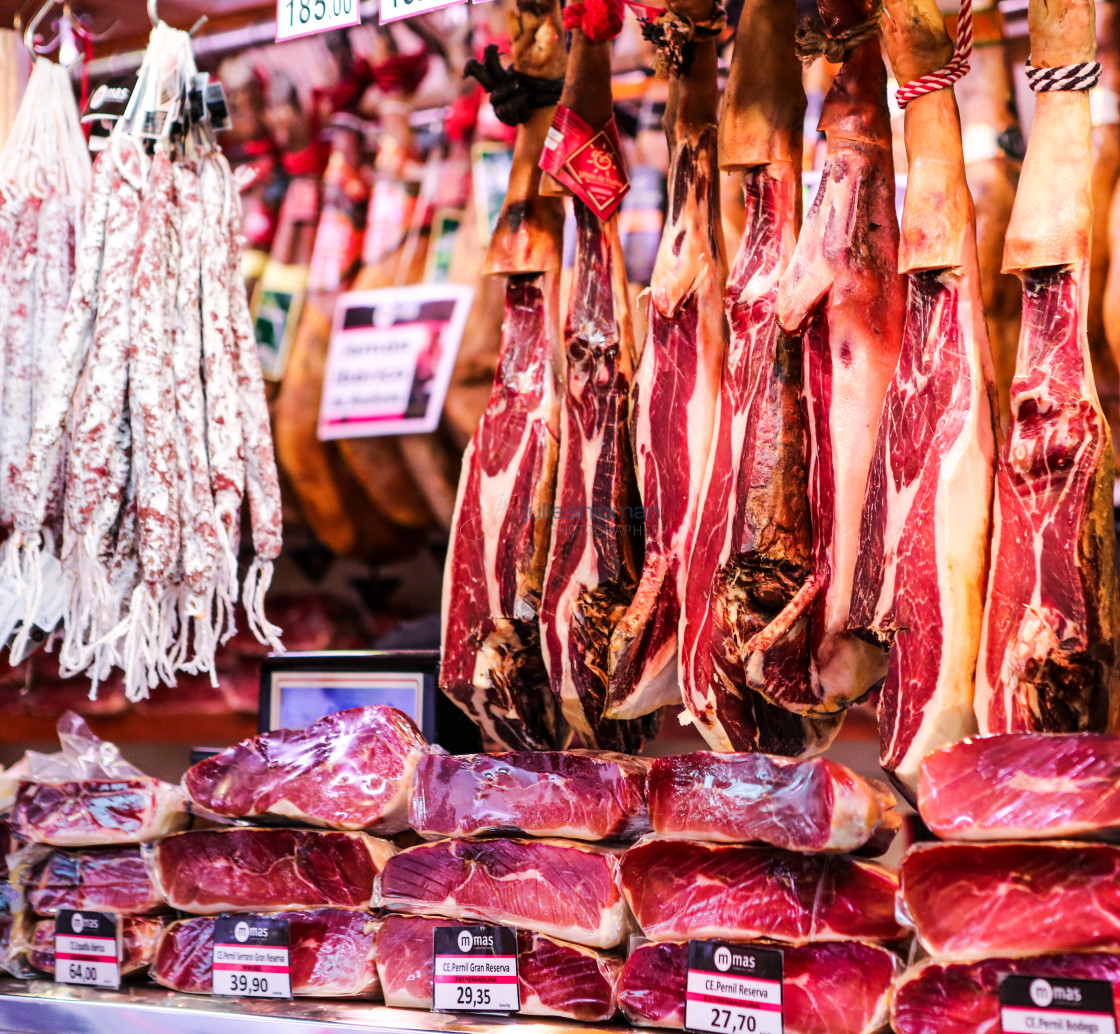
351,770
801,805
555,887
555,978
580,795
206,872
974,901
1022,786
836,988
110,879
332,954
682,889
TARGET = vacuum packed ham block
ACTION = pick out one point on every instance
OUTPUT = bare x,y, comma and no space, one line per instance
972,901
112,879
554,887
350,770
554,978
1021,786
205,872
801,805
681,889
574,794
332,954
834,988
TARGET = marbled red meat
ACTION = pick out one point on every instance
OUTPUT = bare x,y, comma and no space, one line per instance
139,937
572,794
833,988
332,954
350,770
93,812
962,998
1022,786
269,870
554,978
555,887
800,805
685,889
112,879
971,901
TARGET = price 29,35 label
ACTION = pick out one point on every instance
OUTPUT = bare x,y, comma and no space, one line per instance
87,949
252,957
296,18
733,989
475,969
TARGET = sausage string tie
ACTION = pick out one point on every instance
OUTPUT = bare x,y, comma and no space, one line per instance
675,35
954,69
812,41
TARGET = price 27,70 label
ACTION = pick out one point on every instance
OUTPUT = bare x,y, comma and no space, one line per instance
296,18
733,989
475,969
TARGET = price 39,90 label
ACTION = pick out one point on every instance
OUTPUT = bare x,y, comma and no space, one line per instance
87,949
475,969
296,18
252,957
733,989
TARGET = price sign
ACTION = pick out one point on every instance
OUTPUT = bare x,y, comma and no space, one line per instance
394,9
252,957
295,18
87,949
733,989
1037,1005
475,969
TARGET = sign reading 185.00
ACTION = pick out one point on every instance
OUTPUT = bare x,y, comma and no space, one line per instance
733,989
475,969
303,17
252,956
87,949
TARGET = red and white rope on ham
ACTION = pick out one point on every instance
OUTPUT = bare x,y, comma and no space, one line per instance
954,69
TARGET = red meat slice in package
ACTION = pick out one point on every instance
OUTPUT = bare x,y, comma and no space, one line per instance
798,804
139,937
1022,786
682,889
972,901
332,954
555,887
834,988
110,879
86,795
554,978
963,998
580,795
350,770
205,872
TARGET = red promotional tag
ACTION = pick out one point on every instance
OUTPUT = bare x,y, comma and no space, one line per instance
587,162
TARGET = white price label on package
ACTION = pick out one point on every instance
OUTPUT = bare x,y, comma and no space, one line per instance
733,989
252,957
87,949
295,18
475,969
1036,1005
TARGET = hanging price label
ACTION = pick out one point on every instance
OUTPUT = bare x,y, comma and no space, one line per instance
87,949
475,969
733,989
1035,1005
252,957
393,9
295,18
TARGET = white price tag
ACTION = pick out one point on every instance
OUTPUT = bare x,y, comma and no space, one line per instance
87,949
733,989
1056,1005
252,957
295,18
475,969
391,10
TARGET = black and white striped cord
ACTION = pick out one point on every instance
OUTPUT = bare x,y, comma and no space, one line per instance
1083,76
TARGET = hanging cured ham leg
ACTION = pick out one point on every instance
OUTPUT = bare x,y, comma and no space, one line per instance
843,294
753,539
595,554
492,665
1048,653
923,557
676,383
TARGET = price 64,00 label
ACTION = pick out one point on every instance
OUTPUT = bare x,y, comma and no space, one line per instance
87,949
296,18
252,957
475,969
733,989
